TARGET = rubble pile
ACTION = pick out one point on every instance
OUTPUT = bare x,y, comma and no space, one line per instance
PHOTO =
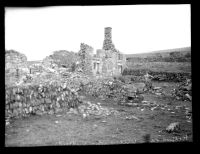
73,80
64,72
37,78
37,73
95,109
77,81
110,88
39,99
157,90
184,91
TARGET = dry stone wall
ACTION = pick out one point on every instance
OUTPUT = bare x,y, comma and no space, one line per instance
158,76
39,99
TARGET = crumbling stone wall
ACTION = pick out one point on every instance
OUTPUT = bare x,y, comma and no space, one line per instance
106,62
14,60
39,99
86,55
15,65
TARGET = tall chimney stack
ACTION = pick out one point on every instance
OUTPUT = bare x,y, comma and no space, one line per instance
107,44
108,33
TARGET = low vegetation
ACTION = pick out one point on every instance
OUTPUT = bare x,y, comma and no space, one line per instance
64,58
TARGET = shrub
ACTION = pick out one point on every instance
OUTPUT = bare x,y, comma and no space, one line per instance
65,58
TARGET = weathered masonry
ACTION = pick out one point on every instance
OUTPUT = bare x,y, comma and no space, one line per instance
106,62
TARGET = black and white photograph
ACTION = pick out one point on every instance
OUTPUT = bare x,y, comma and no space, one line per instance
98,75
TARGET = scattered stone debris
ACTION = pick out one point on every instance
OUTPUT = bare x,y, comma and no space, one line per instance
188,96
188,113
87,109
183,91
73,110
56,122
173,127
158,90
7,122
131,117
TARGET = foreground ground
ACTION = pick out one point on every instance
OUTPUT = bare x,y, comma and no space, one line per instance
128,124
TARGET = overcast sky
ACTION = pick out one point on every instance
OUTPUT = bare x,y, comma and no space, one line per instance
37,32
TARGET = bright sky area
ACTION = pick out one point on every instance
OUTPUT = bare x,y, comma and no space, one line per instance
37,32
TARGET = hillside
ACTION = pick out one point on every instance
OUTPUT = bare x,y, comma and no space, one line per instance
170,55
163,53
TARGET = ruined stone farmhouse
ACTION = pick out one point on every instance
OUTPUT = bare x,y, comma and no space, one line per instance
107,61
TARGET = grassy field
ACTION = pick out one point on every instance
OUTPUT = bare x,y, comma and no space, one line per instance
163,53
161,66
172,60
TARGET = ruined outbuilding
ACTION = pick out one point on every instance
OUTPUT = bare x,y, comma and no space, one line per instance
107,61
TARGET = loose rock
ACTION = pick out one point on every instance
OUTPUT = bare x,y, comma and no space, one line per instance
173,127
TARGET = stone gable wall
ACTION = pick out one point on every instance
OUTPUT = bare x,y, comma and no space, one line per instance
108,62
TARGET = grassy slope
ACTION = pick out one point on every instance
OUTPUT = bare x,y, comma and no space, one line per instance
160,66
164,53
